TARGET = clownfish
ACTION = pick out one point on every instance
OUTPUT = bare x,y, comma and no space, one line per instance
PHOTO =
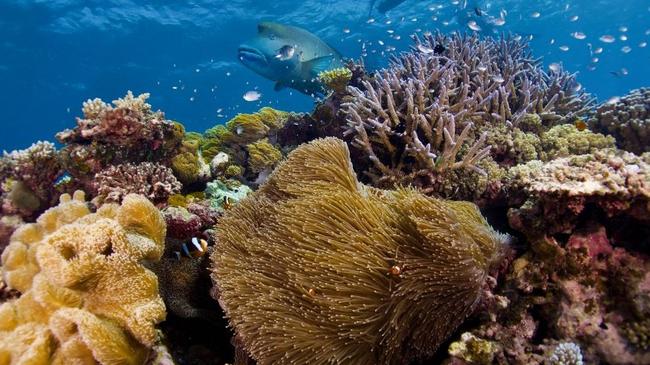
195,248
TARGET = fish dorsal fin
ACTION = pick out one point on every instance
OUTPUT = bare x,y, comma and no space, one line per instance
320,64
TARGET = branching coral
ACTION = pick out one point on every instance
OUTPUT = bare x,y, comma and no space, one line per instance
152,180
433,108
316,268
626,118
28,178
128,132
566,353
86,297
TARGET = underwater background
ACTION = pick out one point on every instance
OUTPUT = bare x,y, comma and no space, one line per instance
56,54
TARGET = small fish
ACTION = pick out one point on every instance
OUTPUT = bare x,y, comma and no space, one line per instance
252,95
574,18
613,100
473,26
498,79
578,35
439,48
535,15
643,44
285,52
478,11
227,203
598,50
622,29
620,73
623,37
580,124
555,67
499,22
607,38
64,179
626,49
564,48
195,248
424,49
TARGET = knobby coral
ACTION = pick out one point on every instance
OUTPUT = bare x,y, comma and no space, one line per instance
432,110
626,118
127,132
86,297
316,268
152,180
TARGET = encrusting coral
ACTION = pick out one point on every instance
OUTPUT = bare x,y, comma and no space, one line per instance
627,119
86,296
316,268
152,180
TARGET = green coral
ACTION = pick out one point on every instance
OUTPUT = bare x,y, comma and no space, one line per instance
186,167
262,155
638,334
222,194
233,171
336,79
565,139
473,350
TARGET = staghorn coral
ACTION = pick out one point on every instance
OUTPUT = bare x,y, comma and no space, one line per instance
336,79
616,181
152,180
316,268
431,112
127,132
86,297
627,119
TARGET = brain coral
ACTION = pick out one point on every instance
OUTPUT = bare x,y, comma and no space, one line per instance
316,268
86,297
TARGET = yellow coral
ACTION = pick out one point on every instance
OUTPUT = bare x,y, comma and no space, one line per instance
248,128
87,297
336,79
262,155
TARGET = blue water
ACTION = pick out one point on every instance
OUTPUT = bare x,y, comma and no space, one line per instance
54,54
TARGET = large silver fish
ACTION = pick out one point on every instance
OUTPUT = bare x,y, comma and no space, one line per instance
290,56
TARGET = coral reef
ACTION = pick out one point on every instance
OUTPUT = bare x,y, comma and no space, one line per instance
224,194
317,268
566,353
86,297
336,79
432,112
626,118
127,132
618,182
152,180
191,220
246,146
28,177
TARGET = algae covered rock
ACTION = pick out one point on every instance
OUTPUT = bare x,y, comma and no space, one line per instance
316,268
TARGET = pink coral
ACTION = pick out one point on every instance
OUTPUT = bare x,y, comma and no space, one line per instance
152,180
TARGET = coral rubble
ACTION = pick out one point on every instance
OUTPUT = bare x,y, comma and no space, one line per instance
85,295
316,268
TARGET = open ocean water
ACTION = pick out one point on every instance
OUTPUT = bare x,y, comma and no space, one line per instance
54,54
